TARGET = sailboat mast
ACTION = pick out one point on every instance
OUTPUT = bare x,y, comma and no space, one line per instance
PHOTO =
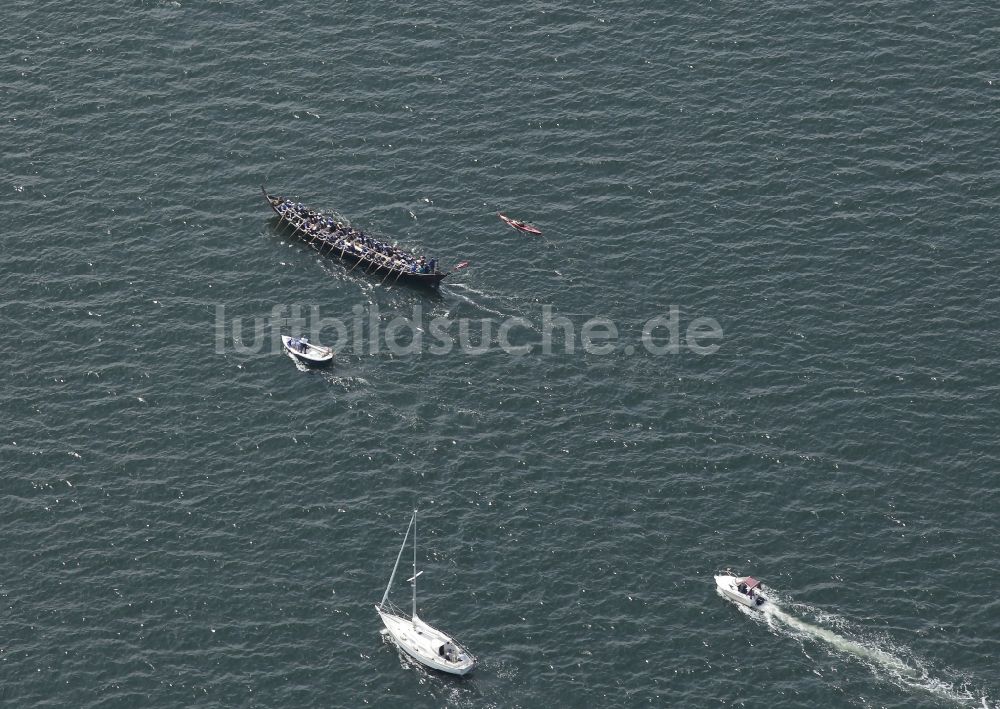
400,555
414,614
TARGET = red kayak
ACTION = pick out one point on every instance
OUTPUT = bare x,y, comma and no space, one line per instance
520,226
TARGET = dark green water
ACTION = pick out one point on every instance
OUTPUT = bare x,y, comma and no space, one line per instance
188,519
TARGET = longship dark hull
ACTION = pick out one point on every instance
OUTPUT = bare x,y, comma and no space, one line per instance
350,247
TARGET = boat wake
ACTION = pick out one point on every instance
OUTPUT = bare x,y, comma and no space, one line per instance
459,290
299,364
892,663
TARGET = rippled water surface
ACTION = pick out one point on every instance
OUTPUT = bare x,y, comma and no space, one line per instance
188,519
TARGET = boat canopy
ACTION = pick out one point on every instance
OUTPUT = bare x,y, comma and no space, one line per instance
751,582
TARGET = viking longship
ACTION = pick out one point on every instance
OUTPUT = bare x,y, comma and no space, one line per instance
328,235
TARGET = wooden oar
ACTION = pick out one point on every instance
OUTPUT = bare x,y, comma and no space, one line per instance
291,212
302,228
324,242
374,263
319,348
391,269
315,235
352,245
281,219
334,245
390,265
384,262
347,242
328,240
401,272
332,242
358,262
323,351
330,233
295,226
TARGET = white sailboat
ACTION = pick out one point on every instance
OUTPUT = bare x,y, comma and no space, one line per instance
425,644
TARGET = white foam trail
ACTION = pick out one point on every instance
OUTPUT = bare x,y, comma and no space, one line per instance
456,287
885,663
839,642
299,364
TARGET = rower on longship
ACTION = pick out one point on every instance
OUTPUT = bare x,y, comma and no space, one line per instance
354,246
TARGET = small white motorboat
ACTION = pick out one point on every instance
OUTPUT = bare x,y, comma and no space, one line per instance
745,590
425,644
301,348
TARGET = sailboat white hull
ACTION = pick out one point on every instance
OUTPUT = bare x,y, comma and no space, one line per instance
425,644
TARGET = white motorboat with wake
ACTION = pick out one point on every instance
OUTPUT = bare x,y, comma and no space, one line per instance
302,349
425,644
745,590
